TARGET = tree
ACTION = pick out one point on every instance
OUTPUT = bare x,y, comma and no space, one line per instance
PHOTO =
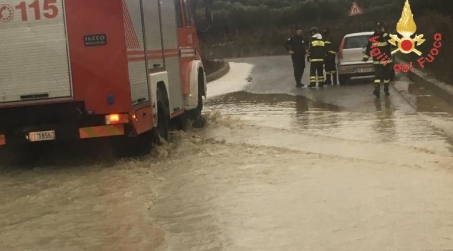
208,9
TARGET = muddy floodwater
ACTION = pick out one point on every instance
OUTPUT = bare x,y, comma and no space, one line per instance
275,168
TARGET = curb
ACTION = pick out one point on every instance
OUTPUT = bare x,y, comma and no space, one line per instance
438,88
219,73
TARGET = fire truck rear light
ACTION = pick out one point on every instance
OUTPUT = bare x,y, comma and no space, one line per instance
112,119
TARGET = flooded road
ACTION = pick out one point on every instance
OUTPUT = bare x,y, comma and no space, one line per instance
275,168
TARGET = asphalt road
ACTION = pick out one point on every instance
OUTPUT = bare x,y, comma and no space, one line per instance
275,168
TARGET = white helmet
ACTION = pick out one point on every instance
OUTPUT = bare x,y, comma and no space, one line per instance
317,36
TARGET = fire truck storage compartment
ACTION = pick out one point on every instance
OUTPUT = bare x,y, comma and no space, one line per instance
170,37
34,60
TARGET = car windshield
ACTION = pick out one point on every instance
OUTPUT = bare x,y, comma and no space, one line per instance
356,42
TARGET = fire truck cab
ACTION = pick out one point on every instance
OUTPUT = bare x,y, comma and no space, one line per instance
79,69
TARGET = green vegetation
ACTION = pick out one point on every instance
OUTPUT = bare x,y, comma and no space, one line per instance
430,24
259,27
211,66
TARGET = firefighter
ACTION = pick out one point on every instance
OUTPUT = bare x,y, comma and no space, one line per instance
380,49
316,55
330,64
296,46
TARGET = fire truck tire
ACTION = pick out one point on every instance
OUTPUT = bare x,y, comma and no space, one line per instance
195,114
30,153
124,146
140,145
160,133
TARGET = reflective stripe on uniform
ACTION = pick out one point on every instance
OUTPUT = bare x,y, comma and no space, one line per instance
333,52
317,43
317,60
327,42
386,81
377,81
366,56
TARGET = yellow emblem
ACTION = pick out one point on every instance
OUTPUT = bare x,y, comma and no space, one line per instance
406,27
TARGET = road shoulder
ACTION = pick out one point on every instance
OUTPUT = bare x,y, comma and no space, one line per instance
430,83
219,73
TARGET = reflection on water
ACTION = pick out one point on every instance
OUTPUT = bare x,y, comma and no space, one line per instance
84,208
316,114
301,106
387,123
277,110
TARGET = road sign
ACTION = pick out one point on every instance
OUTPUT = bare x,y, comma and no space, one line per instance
355,10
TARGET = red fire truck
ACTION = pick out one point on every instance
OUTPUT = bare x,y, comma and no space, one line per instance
79,69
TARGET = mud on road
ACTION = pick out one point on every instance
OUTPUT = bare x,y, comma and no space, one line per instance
226,188
275,168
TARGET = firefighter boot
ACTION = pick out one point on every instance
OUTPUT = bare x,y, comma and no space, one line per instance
328,79
377,90
386,89
335,80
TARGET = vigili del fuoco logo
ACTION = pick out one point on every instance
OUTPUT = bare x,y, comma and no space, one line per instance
406,27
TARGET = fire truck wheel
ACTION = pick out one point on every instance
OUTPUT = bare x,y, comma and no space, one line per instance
160,133
142,144
30,153
195,114
124,146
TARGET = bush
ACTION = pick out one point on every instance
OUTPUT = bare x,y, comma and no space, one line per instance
245,44
263,42
210,66
267,42
430,24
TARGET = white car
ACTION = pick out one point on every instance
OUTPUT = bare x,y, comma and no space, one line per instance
350,55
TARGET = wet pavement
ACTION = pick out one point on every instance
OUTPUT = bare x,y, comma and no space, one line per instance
276,168
348,112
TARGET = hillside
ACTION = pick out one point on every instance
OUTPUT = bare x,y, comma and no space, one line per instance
259,27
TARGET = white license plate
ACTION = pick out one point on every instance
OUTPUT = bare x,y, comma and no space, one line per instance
363,70
41,136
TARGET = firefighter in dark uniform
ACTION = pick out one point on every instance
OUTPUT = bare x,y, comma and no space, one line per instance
316,55
330,63
297,47
380,49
